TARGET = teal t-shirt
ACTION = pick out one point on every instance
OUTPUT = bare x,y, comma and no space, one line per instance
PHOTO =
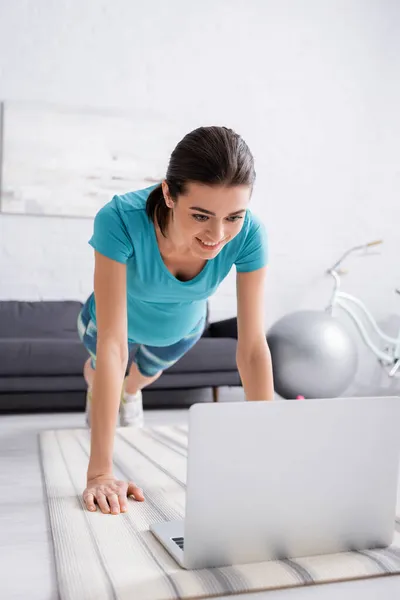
161,309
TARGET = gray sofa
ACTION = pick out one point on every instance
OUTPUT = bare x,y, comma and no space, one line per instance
41,360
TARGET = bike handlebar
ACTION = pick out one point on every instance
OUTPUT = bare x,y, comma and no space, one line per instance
354,249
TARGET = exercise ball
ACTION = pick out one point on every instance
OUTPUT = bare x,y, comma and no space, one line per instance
312,355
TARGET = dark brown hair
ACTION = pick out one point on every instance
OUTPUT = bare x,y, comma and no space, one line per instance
210,155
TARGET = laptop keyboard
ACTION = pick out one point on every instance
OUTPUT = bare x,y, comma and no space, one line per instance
178,541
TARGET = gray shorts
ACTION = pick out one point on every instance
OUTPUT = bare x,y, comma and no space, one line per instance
149,359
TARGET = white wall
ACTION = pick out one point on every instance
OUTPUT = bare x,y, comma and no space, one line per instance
312,86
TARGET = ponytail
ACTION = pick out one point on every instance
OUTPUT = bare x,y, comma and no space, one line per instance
156,208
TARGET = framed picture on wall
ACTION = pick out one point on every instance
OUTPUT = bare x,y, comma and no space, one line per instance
60,161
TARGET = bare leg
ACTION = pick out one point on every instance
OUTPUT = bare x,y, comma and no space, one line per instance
131,408
136,381
88,373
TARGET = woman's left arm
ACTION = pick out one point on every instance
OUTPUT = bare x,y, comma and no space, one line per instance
253,357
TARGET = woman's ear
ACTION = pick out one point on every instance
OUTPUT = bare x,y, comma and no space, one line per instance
167,198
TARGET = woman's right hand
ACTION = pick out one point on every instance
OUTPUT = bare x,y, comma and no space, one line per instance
110,494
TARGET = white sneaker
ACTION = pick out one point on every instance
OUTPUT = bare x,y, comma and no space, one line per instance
131,410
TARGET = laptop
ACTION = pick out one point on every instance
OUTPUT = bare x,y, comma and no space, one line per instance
285,479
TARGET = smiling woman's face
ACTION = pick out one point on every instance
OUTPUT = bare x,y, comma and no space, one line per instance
206,217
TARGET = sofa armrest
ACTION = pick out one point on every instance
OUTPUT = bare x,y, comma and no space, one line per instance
227,328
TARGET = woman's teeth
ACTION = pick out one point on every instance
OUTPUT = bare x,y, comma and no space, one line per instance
209,244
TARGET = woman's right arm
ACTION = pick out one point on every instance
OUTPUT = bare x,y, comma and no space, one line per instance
111,360
111,363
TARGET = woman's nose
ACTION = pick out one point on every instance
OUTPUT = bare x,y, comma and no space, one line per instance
217,231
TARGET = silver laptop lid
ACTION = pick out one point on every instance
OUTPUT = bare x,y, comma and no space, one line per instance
290,478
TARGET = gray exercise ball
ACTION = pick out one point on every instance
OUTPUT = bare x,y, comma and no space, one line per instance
312,355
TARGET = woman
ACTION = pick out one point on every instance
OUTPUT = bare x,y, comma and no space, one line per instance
159,254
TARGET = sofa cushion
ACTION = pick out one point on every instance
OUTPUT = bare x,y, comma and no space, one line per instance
41,319
227,328
208,355
36,357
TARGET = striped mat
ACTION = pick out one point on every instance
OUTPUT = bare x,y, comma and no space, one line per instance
106,556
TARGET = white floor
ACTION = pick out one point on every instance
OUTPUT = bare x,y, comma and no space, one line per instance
26,553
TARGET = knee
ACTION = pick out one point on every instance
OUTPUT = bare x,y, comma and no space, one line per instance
88,372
